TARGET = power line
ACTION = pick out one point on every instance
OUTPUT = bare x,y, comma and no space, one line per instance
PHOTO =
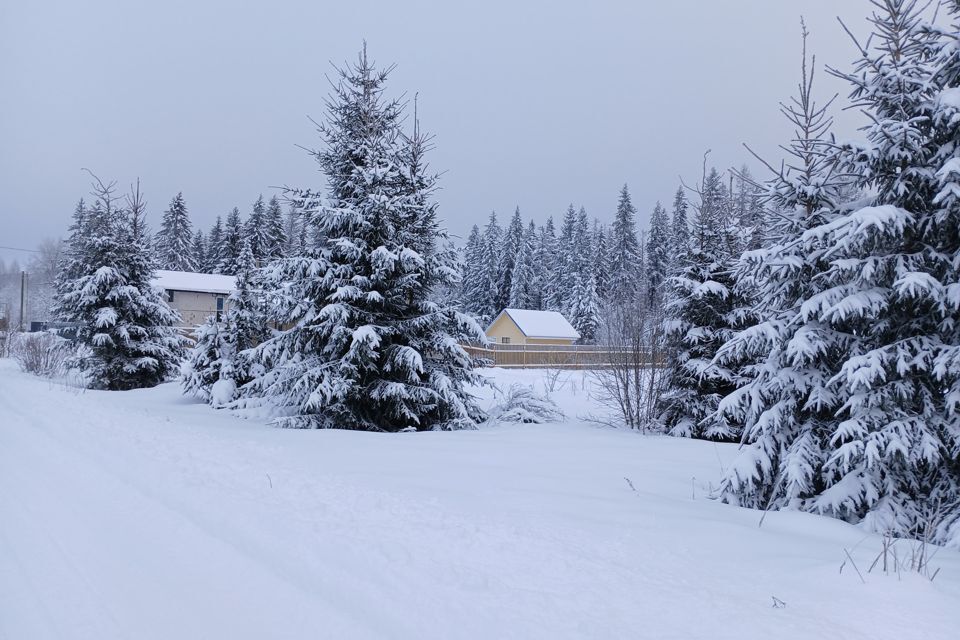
18,249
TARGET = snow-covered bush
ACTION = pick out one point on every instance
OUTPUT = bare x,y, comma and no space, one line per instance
522,404
209,361
43,354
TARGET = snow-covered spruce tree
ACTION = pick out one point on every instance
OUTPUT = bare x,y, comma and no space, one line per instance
864,432
275,233
231,244
366,348
490,293
894,453
658,256
747,210
291,230
472,282
173,245
679,231
512,241
564,272
698,323
625,259
941,232
546,266
255,230
215,253
585,310
559,281
138,229
787,406
523,291
600,259
125,327
209,361
198,248
537,279
73,256
582,246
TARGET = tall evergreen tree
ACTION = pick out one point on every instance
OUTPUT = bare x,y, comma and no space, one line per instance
585,308
73,257
894,454
523,282
747,209
548,262
215,247
275,236
232,244
124,326
173,245
582,245
680,230
787,407
199,250
863,430
512,241
625,259
292,226
601,259
564,273
367,349
474,284
256,231
700,317
658,256
489,297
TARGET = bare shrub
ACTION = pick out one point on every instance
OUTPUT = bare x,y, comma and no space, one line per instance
43,354
633,379
554,377
919,552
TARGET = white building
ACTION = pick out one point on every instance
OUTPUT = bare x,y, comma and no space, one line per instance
196,296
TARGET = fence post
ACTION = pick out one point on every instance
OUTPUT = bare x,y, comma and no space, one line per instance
23,286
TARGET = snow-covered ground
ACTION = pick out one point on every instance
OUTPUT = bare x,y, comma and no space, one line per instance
146,515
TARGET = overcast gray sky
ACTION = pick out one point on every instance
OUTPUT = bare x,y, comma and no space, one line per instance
536,104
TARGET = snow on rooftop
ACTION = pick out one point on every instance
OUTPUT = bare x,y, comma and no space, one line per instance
188,281
541,324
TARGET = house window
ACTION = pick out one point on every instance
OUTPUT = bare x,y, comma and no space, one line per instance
504,340
219,308
169,296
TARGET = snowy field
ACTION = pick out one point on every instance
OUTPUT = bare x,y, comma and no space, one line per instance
144,514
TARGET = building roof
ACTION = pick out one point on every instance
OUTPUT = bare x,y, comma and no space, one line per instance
199,282
540,324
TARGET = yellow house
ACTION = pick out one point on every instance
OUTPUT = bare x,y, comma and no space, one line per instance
526,326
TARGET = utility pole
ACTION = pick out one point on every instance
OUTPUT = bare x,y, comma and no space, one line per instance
23,298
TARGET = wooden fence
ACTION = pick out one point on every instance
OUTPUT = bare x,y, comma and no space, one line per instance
550,356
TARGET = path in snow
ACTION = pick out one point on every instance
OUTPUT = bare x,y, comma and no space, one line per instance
144,515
